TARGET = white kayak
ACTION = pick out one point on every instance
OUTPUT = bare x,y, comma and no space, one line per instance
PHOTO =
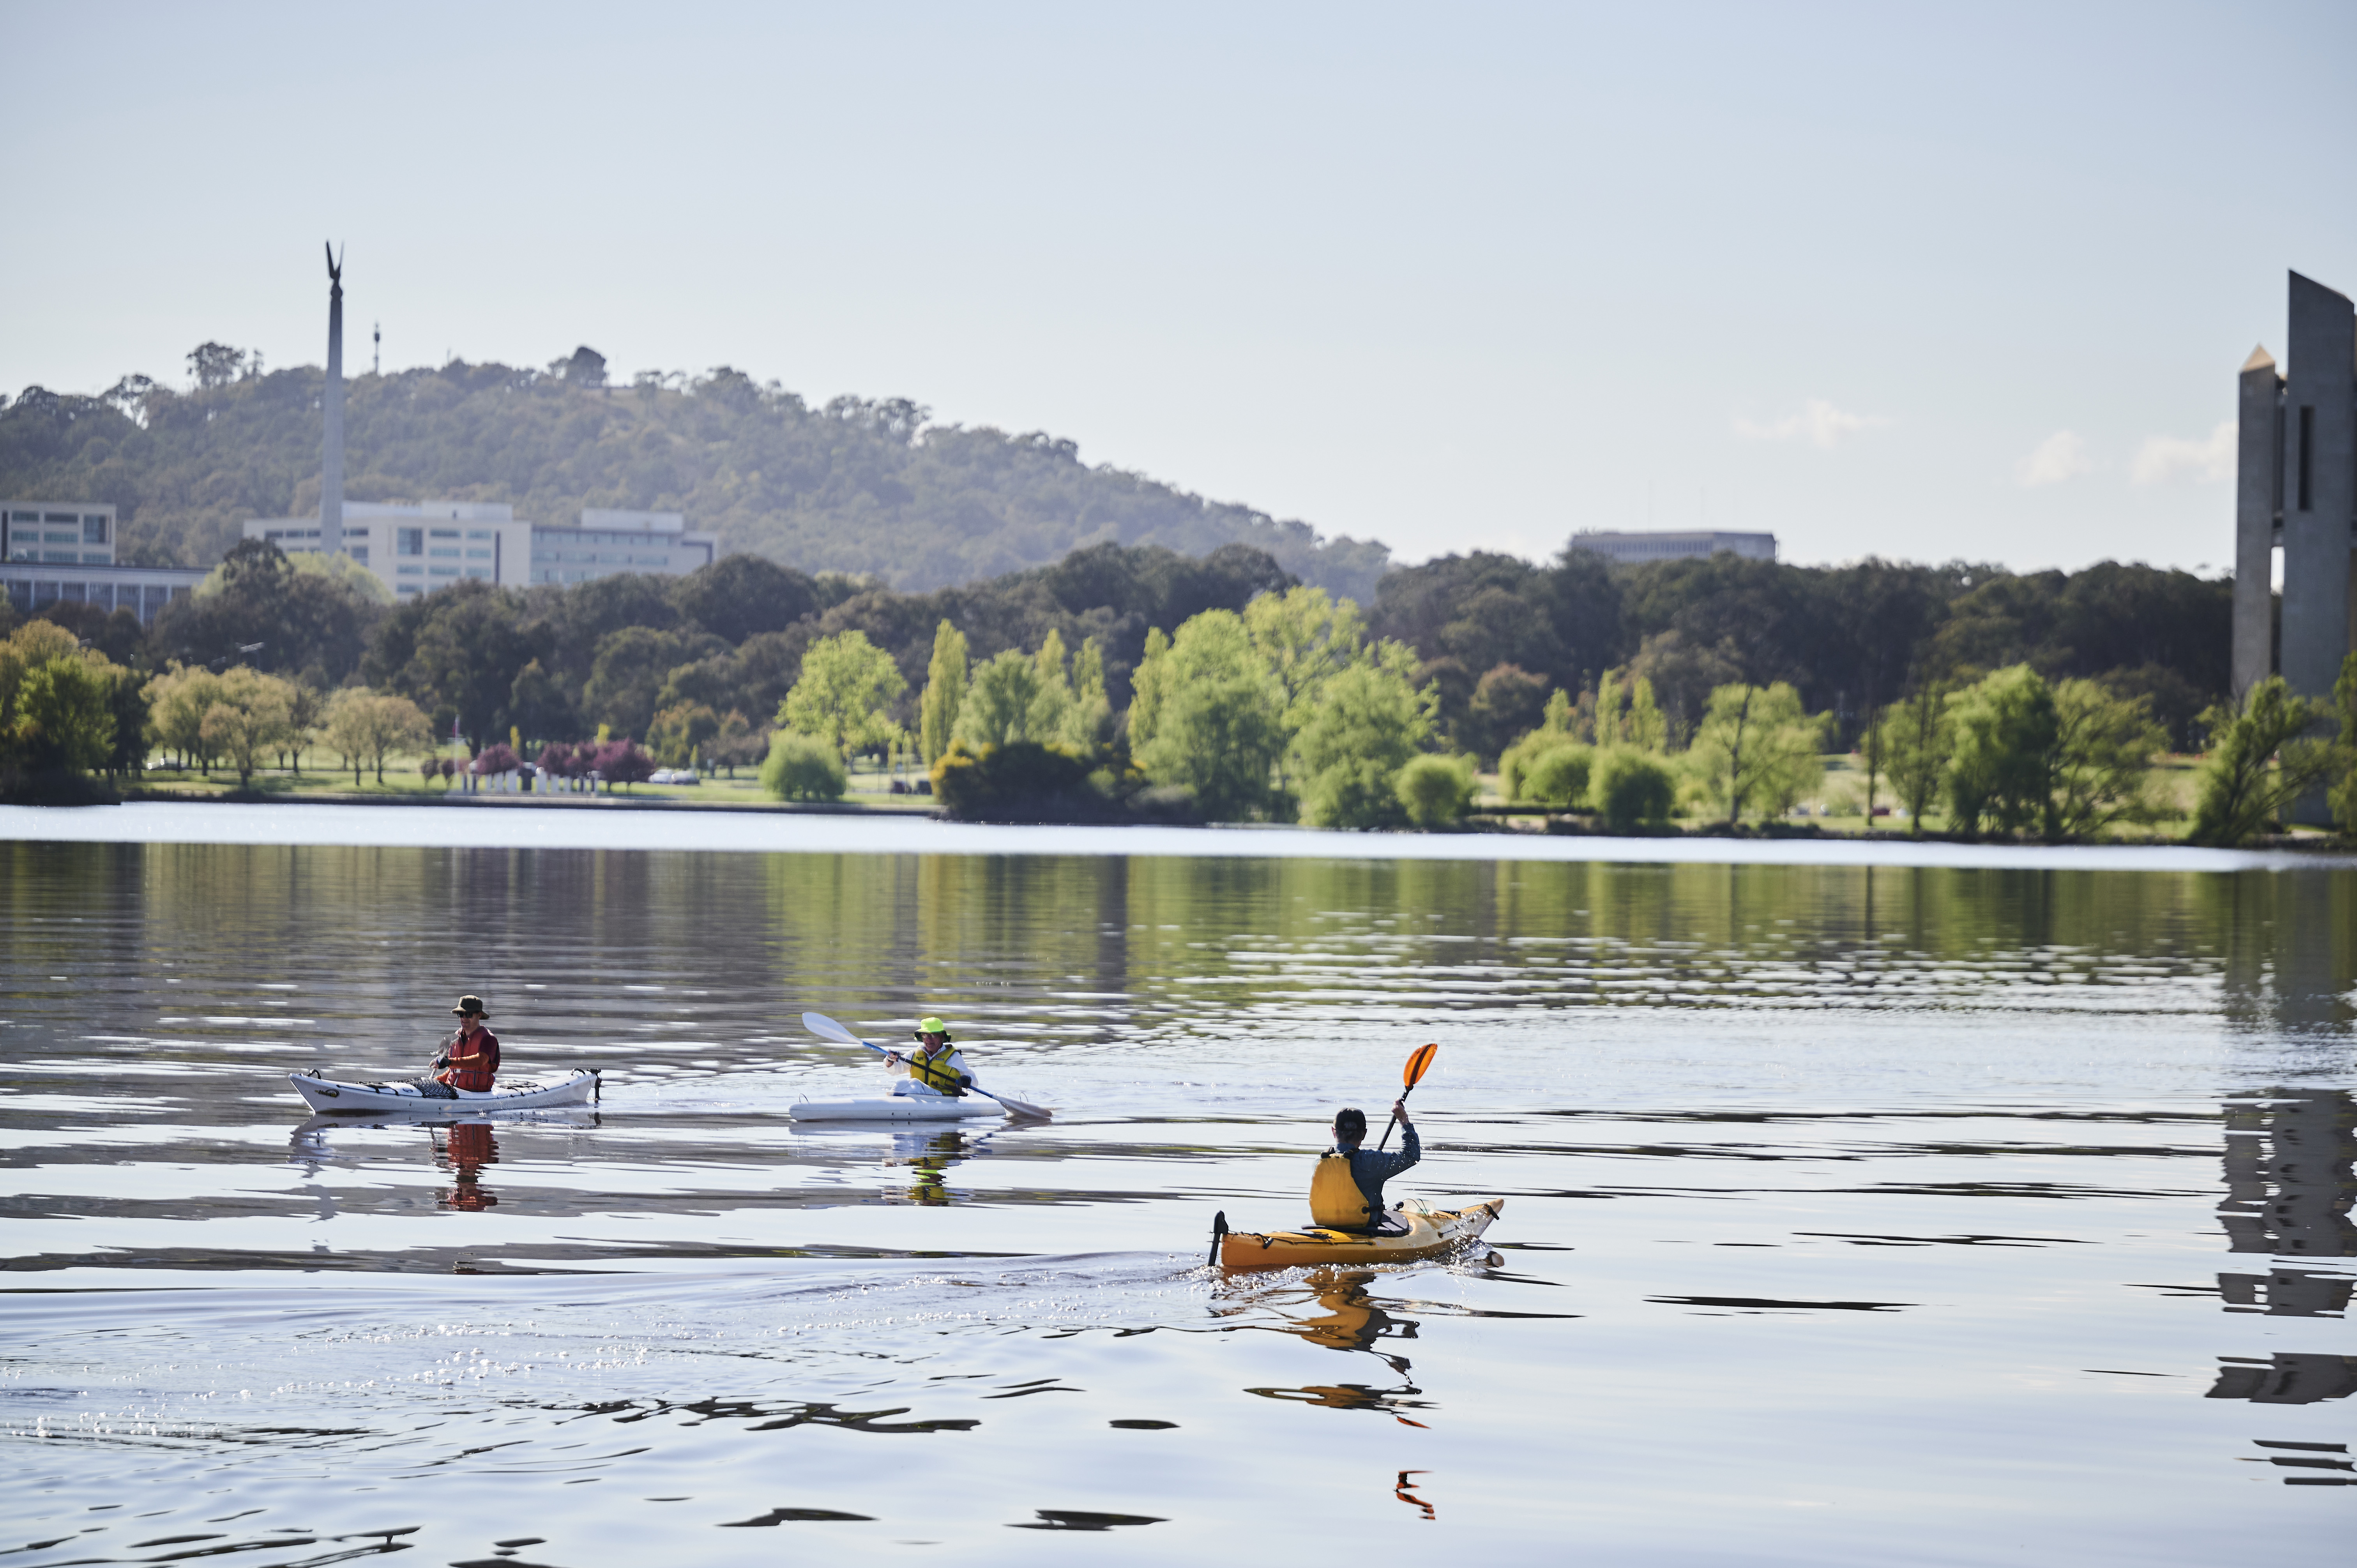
333,1099
894,1108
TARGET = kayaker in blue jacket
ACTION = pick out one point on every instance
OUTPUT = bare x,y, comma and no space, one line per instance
1369,1168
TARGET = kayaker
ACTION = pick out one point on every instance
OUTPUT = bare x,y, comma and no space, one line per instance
935,1066
471,1055
1347,1189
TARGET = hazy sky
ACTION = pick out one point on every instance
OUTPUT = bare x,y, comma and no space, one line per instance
1882,279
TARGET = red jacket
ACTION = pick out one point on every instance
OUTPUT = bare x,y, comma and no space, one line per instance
473,1059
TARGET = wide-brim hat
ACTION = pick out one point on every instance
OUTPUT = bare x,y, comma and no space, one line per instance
931,1026
471,1004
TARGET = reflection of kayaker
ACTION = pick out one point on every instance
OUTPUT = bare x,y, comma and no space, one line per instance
935,1066
469,1149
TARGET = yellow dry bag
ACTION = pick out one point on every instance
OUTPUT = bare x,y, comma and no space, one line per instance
1334,1196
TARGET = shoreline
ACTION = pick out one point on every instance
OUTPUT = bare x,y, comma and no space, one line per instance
525,822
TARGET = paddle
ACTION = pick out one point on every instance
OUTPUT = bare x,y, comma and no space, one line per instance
826,1028
1413,1074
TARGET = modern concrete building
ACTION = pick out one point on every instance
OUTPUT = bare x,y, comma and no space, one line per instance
2295,489
606,543
415,548
57,533
1636,548
63,551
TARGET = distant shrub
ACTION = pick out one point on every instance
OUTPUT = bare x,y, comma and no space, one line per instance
1559,777
802,767
1436,791
622,762
496,757
1634,788
1021,781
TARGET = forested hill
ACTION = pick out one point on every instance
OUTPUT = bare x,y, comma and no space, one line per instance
856,485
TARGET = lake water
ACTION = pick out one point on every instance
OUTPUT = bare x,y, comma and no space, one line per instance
1856,1211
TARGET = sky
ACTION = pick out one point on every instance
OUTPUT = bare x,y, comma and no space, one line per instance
1921,283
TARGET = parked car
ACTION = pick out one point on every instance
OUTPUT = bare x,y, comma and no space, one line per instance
674,776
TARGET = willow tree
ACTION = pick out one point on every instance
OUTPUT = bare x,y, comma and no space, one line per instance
945,688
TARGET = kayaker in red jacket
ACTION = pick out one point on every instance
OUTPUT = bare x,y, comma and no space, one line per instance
472,1056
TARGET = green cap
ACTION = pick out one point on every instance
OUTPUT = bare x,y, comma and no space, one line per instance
932,1027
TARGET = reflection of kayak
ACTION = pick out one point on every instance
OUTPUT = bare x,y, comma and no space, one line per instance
893,1108
333,1099
1429,1231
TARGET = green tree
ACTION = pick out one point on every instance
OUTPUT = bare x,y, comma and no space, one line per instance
802,767
1217,722
1305,637
1559,776
253,715
367,726
65,714
2104,746
1756,750
846,683
2261,760
945,687
177,701
464,652
1367,723
1919,739
1008,701
679,734
1436,792
1634,789
2006,729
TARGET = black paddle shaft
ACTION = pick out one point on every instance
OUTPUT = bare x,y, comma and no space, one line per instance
1394,1121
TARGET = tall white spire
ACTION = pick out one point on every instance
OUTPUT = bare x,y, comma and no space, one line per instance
331,459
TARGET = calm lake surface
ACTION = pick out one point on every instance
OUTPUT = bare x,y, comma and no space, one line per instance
1856,1213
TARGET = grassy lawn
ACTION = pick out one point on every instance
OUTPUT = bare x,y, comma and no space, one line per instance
401,782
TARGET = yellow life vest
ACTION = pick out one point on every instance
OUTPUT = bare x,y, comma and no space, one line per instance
1334,1196
935,1072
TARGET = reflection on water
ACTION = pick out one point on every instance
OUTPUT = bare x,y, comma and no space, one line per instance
464,1150
1868,1183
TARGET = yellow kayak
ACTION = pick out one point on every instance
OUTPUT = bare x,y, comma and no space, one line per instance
1429,1231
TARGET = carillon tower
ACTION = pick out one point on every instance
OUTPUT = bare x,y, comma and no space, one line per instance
331,460
2296,487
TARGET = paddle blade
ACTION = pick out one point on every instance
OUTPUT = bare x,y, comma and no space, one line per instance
826,1028
1419,1065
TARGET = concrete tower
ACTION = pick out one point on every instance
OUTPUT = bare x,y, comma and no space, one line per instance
2296,485
331,459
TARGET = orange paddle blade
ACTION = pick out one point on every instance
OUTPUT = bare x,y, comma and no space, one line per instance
1419,1065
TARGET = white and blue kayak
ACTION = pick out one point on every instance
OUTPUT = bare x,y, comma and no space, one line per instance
894,1108
331,1098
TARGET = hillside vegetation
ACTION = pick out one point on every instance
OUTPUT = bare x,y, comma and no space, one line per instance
858,485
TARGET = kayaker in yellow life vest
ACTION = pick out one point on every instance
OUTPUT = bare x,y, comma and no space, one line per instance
934,1067
1346,1191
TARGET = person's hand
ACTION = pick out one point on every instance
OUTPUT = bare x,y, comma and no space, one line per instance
1399,1109
892,1058
441,1061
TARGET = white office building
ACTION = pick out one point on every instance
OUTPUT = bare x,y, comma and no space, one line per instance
414,548
605,542
57,533
63,553
1636,548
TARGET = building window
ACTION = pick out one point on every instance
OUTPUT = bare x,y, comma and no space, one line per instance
483,571
444,549
94,558
69,518
359,554
479,554
446,534
94,530
442,571
409,541
411,571
69,557
61,536
479,533
2307,453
